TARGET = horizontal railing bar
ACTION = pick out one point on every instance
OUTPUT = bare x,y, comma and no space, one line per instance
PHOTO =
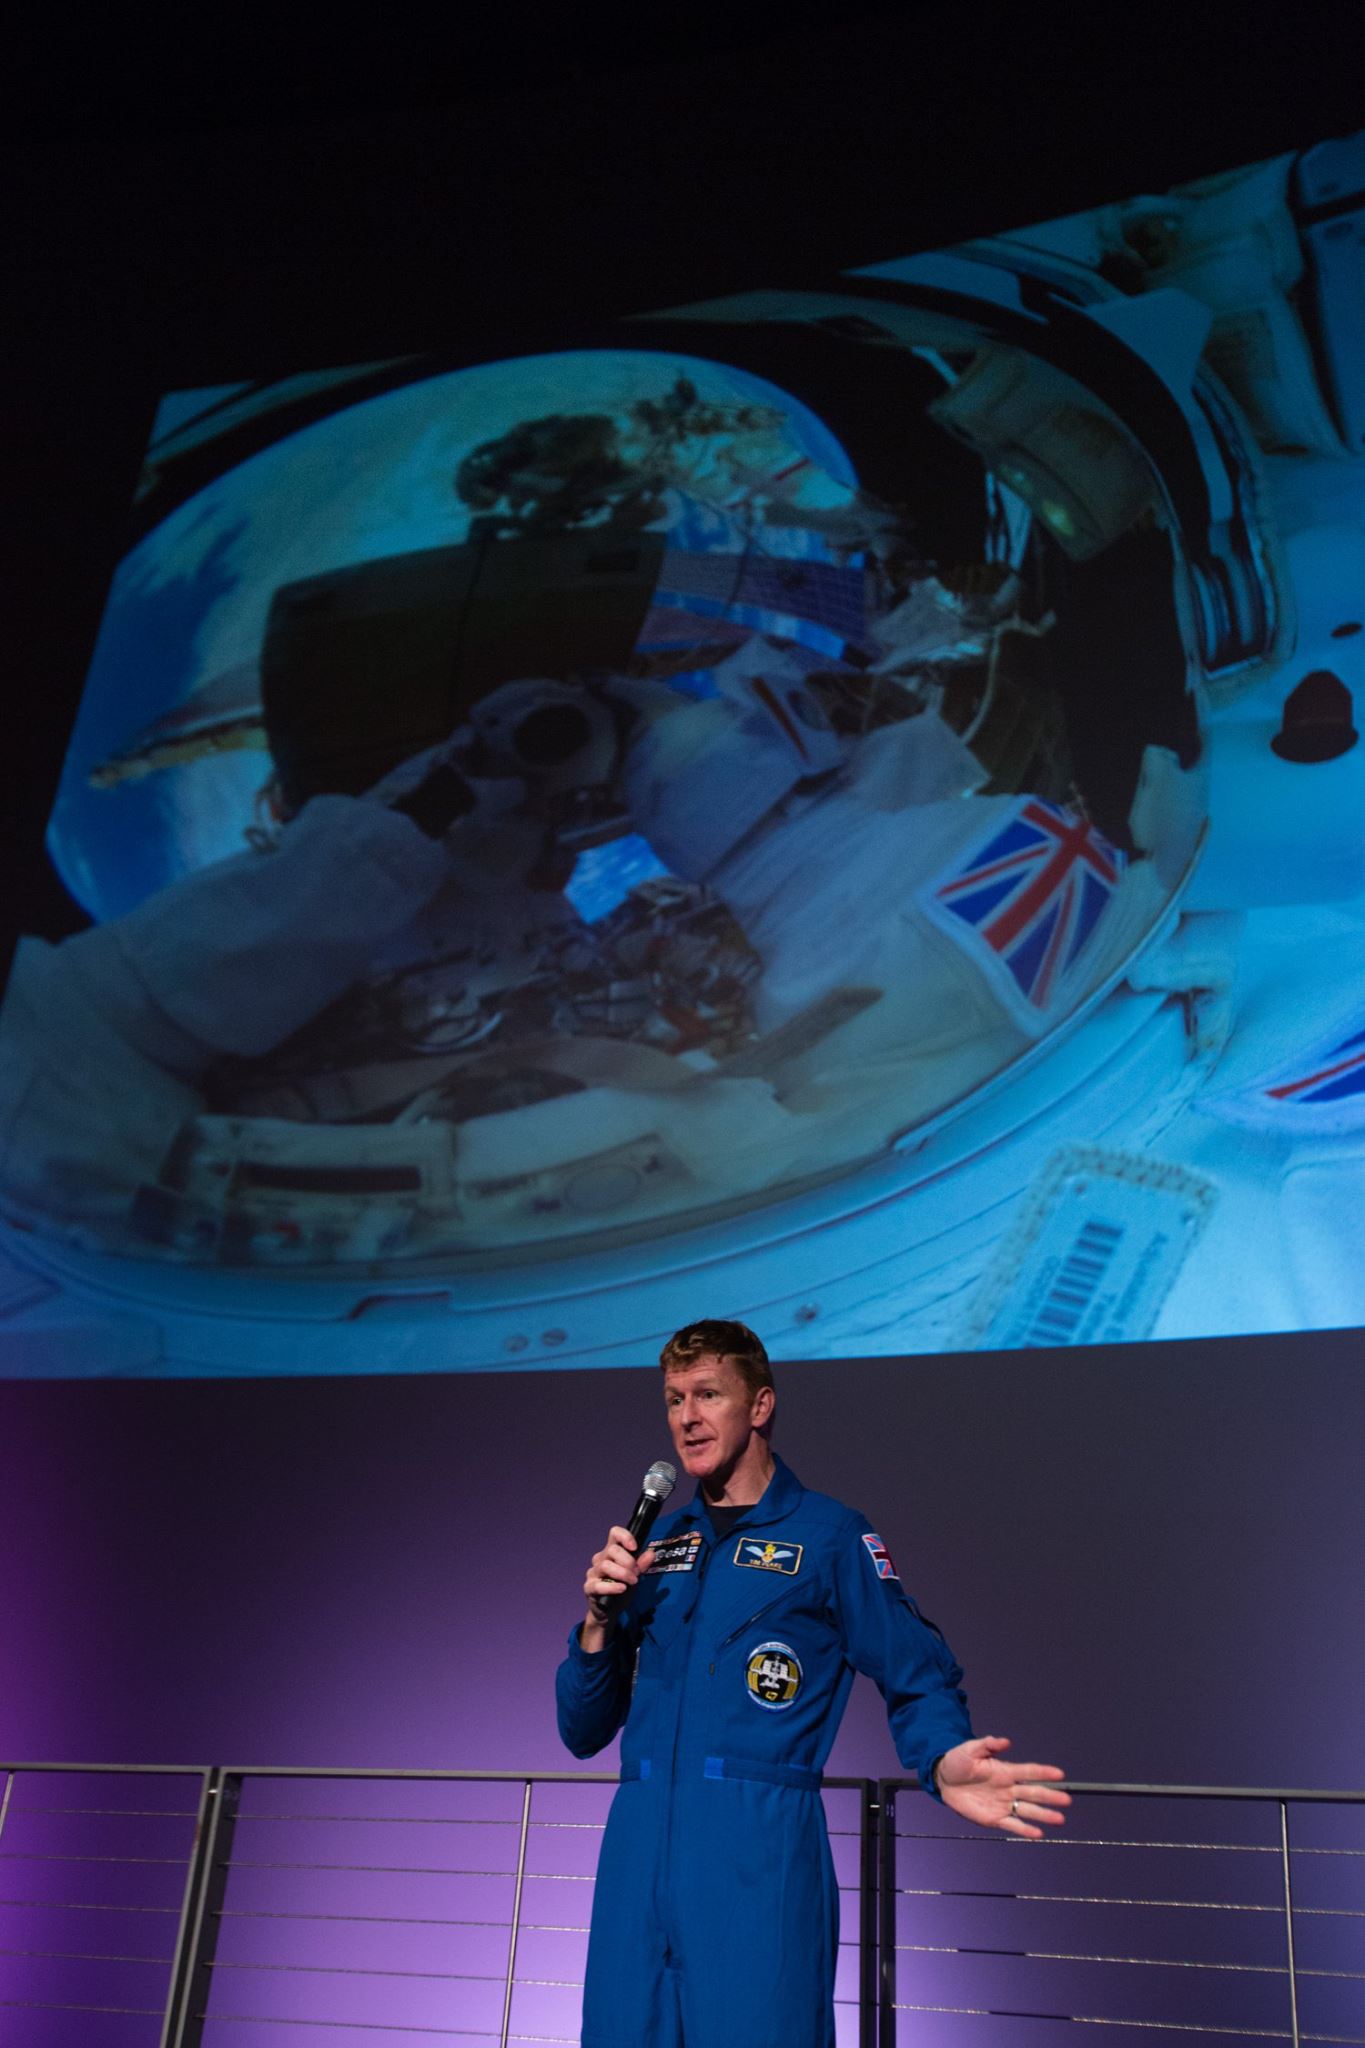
1297,1795
117,1812
1045,1955
378,1869
412,1820
77,1955
431,1777
1104,1842
141,2012
407,1820
914,1891
270,2019
472,1777
1082,2019
460,1777
85,1906
1078,2019
419,1820
910,1891
998,1841
73,1856
1117,1791
1111,1842
117,1770
551,1983
373,1919
358,1970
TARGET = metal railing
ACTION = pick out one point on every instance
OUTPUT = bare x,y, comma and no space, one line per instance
98,1872
375,1907
190,1907
1162,1913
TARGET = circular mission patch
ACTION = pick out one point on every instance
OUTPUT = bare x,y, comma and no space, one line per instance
773,1675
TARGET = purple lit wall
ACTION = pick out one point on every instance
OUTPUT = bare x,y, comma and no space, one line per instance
1144,1560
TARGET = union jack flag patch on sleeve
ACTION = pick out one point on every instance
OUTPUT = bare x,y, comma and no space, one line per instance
1026,899
1322,1088
880,1556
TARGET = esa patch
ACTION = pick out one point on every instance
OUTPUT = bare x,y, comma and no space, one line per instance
676,1553
769,1557
773,1675
881,1557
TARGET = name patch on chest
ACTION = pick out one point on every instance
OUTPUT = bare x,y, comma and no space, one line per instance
676,1553
769,1557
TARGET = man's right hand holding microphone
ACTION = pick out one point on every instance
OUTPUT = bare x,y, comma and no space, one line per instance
619,1564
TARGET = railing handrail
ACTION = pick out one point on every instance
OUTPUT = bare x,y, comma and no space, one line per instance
837,1784
1278,1795
1294,1794
120,1770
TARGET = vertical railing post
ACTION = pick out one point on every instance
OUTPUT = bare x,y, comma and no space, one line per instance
886,1914
180,1963
194,1971
4,1803
516,1917
868,1810
1289,1924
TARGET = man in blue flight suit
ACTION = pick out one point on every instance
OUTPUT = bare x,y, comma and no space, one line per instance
727,1649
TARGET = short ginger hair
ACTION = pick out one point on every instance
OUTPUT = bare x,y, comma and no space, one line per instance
715,1337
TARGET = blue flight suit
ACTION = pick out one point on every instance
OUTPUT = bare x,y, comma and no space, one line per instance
716,1916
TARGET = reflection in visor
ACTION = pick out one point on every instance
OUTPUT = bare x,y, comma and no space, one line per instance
800,810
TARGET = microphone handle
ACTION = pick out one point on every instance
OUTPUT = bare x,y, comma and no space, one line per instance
645,1516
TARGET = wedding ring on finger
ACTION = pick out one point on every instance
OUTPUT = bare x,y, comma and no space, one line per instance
1014,1808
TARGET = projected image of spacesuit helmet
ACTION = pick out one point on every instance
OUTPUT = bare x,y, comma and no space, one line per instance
917,725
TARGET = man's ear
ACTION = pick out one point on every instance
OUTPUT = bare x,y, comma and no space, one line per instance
761,1410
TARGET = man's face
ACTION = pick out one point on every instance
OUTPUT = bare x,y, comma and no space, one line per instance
711,1415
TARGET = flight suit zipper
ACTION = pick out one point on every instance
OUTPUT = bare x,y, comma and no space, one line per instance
703,1566
766,1608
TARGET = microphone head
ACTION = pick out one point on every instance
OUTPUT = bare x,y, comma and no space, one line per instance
660,1480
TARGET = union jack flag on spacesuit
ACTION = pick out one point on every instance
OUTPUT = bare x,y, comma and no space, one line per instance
1321,1089
1026,900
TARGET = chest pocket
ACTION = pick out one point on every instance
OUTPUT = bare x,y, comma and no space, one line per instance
788,1601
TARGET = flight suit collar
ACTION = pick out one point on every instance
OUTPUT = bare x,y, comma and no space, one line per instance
780,1497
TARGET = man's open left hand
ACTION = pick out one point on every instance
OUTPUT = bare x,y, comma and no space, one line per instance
1021,1799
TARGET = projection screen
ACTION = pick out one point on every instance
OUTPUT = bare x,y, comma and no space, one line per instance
840,804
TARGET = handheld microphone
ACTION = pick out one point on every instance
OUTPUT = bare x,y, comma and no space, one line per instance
658,1483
